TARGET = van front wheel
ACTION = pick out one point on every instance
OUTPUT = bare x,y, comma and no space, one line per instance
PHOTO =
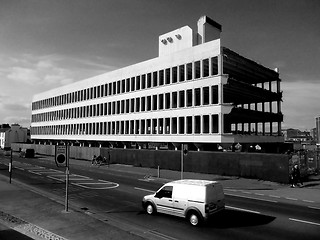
150,209
194,219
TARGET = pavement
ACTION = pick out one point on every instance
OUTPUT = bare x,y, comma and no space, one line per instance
29,214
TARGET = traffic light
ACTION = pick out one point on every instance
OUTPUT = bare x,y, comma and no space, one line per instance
185,149
61,156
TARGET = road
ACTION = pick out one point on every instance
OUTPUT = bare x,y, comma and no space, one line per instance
115,198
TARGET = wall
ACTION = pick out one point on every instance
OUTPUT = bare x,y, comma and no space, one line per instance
271,167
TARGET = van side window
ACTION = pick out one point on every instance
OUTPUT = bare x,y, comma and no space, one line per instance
166,192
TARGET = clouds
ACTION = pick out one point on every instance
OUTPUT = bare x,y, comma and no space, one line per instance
34,70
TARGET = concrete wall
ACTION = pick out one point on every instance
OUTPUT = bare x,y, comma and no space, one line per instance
272,167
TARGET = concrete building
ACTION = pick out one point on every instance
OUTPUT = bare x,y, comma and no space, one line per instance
14,134
195,92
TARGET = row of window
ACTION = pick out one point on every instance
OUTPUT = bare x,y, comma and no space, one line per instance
193,70
200,124
180,99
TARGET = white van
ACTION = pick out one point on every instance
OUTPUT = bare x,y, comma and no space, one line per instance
195,200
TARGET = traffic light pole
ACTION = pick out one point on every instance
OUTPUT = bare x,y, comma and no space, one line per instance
182,159
66,205
10,167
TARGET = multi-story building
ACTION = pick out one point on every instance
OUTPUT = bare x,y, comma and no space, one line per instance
196,91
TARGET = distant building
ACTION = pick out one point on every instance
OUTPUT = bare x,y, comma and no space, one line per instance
297,136
15,133
317,132
196,92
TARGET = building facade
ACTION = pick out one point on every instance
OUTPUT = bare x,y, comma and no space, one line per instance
196,92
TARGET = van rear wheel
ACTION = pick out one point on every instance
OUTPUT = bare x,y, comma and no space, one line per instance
194,219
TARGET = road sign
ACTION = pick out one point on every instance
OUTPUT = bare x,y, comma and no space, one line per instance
61,155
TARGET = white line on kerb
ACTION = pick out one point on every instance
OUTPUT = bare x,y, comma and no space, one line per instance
298,220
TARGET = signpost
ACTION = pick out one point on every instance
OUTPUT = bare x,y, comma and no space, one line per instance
10,167
62,160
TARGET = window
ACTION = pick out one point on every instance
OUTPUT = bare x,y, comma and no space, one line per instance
197,71
215,124
137,104
167,74
214,66
138,83
189,98
143,81
181,125
165,192
205,99
189,71
174,100
167,101
206,124
132,84
174,74
181,73
197,93
160,101
143,104
161,77
197,124
181,99
214,94
189,125
154,102
155,79
118,86
205,67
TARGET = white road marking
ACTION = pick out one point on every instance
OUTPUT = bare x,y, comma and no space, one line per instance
243,209
308,201
293,199
260,199
274,196
317,208
83,185
302,221
259,194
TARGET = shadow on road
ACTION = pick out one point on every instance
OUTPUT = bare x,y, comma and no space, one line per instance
233,218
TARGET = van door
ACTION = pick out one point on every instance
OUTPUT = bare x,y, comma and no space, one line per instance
163,199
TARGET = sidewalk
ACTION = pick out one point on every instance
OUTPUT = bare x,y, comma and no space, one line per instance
39,217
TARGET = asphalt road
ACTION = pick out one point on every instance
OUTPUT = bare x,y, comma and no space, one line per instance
115,197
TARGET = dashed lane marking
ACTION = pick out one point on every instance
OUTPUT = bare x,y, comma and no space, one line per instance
293,199
274,196
302,221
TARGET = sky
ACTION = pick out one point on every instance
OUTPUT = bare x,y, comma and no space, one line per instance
46,44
